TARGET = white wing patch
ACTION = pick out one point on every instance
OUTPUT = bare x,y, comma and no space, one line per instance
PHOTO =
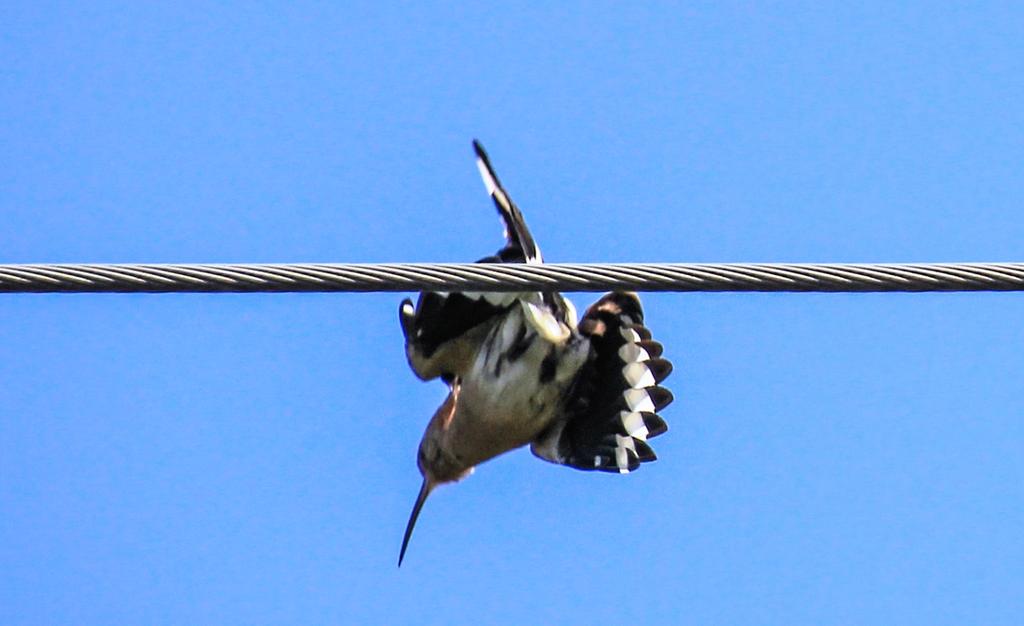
493,189
632,353
494,298
499,299
570,313
634,425
638,375
629,335
544,322
621,456
485,174
638,400
622,460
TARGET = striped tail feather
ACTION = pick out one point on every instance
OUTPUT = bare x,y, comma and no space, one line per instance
613,410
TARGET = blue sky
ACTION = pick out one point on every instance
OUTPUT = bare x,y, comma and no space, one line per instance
248,459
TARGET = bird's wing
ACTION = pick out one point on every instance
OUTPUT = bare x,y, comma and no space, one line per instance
613,408
520,247
443,329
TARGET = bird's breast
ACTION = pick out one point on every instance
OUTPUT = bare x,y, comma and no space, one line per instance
514,389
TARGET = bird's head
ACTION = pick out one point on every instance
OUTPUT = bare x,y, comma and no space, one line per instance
435,464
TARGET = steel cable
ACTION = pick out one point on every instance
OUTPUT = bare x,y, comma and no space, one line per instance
392,277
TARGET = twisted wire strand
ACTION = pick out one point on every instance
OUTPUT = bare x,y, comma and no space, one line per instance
398,277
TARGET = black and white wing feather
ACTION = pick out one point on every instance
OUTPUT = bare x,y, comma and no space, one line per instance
521,247
443,330
612,411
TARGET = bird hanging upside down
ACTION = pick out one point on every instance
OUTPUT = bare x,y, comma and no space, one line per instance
521,371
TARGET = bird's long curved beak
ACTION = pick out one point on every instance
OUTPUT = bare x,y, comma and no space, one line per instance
425,490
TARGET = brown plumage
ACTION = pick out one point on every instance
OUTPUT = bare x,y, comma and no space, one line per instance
520,371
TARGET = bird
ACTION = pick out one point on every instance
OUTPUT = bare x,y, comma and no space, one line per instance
520,370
